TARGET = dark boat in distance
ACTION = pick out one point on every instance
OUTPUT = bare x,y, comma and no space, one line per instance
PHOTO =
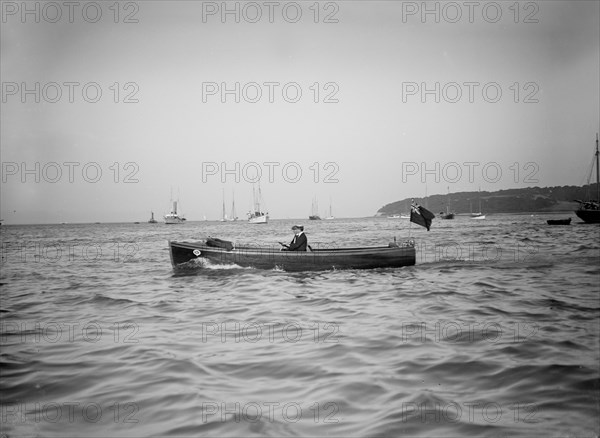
559,221
314,215
447,215
221,252
589,211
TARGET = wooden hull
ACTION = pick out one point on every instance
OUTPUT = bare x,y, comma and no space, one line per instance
589,216
316,260
447,216
559,221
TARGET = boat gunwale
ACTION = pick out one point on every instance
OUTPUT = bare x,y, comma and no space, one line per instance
348,258
265,250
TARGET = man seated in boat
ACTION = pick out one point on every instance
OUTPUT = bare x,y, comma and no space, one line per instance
299,242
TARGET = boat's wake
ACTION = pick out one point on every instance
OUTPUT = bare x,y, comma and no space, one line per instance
202,263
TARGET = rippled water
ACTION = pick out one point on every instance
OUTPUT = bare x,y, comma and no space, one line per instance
494,332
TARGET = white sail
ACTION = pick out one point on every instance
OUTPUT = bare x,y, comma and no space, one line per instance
330,217
233,213
223,214
478,215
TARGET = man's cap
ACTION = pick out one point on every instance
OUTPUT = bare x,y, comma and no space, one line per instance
298,227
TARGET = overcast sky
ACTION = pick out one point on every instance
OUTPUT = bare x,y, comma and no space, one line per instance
365,121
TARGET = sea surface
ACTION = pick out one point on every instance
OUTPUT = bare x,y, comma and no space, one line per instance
494,332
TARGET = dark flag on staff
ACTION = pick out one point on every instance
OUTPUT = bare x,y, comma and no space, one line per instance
421,216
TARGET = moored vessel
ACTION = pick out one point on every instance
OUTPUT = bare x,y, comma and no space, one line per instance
314,215
589,211
173,217
257,216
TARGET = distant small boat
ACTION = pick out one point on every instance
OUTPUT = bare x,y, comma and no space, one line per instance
447,215
224,215
173,217
233,216
401,215
314,216
406,215
559,221
257,216
330,217
479,215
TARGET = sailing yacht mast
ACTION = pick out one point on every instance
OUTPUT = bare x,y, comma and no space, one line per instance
257,216
479,214
589,211
223,215
597,171
314,214
233,215
258,199
448,215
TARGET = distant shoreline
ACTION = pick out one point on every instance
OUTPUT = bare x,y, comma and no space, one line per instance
528,200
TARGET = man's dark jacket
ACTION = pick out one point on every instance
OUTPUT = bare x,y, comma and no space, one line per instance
298,243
